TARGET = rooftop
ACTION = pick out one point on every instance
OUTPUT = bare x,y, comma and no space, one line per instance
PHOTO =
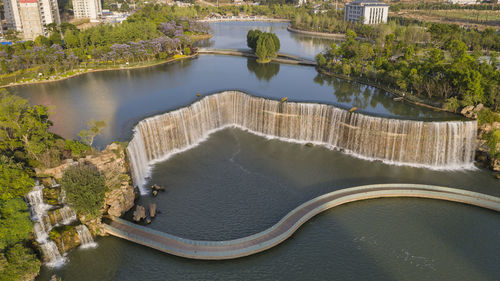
368,3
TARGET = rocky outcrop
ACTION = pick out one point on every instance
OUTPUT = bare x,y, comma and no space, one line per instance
471,111
66,238
139,213
152,210
111,162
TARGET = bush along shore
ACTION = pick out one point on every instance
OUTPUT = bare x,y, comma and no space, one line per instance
448,79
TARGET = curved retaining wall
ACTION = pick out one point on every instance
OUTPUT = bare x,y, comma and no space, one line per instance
219,250
437,145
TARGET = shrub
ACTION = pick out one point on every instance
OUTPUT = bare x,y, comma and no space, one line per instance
452,104
487,116
77,148
85,188
15,223
18,263
493,138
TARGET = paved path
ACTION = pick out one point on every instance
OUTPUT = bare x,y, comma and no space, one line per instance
281,58
219,250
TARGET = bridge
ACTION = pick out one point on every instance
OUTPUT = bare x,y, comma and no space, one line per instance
281,57
230,249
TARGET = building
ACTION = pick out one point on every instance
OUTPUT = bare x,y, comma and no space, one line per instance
87,9
366,11
30,17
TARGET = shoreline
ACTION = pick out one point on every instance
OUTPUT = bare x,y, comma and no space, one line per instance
121,67
99,70
255,19
391,92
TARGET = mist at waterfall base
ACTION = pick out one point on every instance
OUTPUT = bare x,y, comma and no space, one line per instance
236,183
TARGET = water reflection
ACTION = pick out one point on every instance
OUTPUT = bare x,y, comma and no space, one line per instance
263,71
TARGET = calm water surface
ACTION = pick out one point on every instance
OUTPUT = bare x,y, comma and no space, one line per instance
236,184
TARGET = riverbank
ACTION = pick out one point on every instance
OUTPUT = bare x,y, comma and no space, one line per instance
243,18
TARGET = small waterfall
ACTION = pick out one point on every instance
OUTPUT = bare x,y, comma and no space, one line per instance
51,254
435,145
67,215
85,237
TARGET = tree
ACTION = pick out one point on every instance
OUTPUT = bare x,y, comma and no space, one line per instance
252,37
85,188
94,128
23,127
15,222
14,181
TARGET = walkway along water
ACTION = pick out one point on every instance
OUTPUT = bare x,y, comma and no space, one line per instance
220,250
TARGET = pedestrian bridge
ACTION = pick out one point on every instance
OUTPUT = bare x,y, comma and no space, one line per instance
230,249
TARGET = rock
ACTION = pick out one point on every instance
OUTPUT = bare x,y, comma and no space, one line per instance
66,238
139,213
353,109
51,195
155,192
152,210
158,187
478,108
148,220
495,165
67,161
468,112
309,144
284,99
119,201
496,125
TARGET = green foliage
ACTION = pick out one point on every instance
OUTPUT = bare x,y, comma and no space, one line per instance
265,45
15,222
493,140
77,148
23,127
85,187
94,128
486,116
18,263
452,104
14,181
320,59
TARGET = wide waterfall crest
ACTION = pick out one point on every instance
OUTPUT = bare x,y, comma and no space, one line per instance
435,145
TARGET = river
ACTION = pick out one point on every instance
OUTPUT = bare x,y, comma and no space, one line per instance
236,184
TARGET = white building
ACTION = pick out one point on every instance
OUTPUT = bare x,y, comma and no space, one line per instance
87,9
369,11
29,17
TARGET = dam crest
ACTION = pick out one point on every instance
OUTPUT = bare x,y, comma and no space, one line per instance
434,145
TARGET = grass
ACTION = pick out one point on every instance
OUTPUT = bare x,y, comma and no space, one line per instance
480,18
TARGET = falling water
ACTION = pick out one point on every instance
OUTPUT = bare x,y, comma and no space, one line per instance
66,214
51,254
437,145
85,237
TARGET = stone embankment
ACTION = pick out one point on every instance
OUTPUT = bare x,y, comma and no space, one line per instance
220,250
483,155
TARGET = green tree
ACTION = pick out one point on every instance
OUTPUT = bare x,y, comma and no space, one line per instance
18,263
94,128
15,222
85,188
23,127
14,181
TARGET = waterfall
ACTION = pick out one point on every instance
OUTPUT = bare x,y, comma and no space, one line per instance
435,145
67,215
51,254
86,239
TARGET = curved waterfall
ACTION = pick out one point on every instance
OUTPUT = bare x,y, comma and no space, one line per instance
438,145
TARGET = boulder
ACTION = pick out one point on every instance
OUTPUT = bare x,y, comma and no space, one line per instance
139,213
152,210
51,195
65,237
468,112
118,201
155,192
495,165
158,187
478,108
